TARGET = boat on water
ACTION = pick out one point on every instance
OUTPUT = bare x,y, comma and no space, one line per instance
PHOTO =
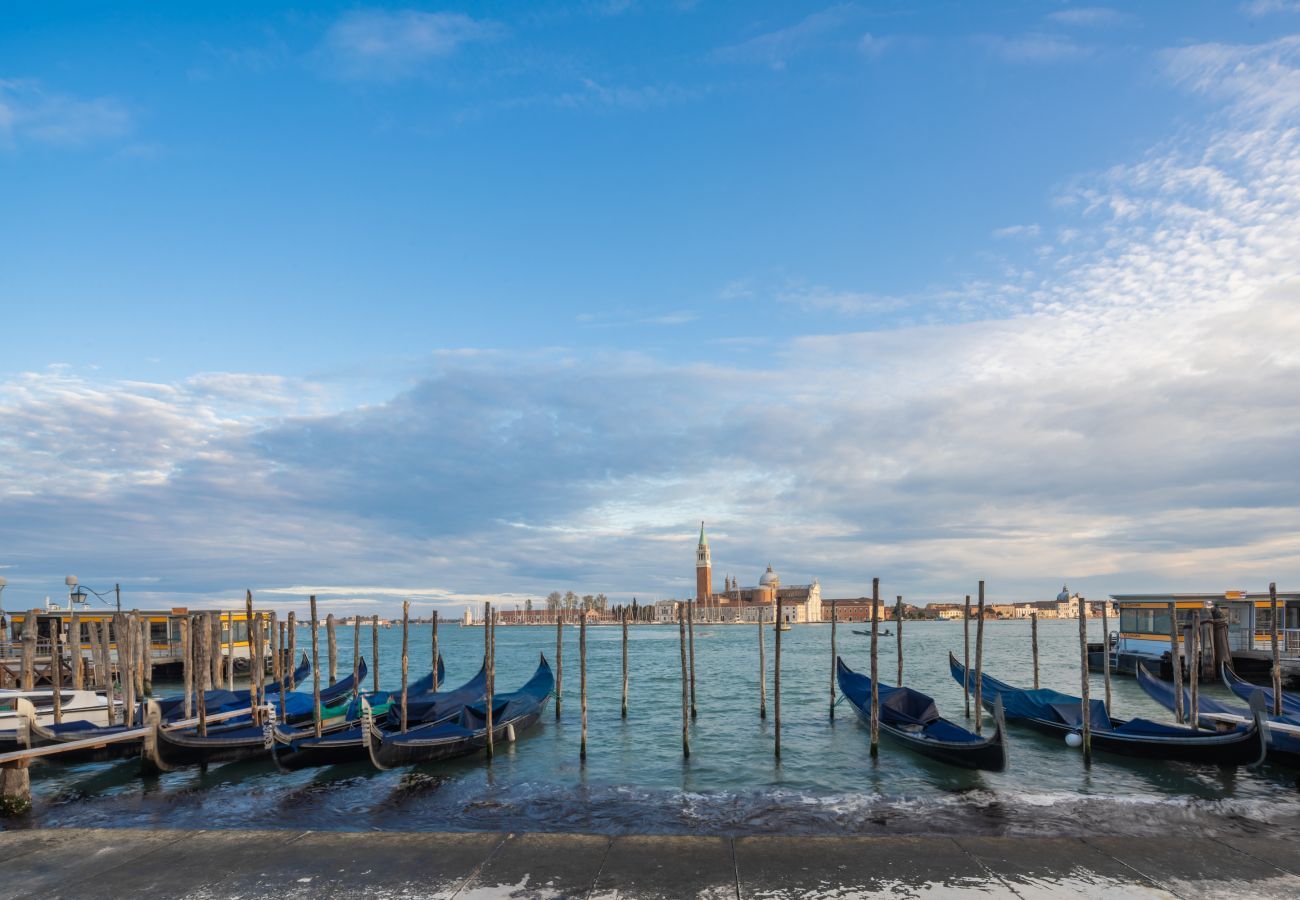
1245,690
878,633
911,718
23,712
1283,732
1055,713
463,731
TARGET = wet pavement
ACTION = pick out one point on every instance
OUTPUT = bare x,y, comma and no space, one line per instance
91,863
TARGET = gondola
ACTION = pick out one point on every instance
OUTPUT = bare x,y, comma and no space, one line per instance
912,719
299,748
878,633
1283,731
464,731
1244,689
172,708
1055,713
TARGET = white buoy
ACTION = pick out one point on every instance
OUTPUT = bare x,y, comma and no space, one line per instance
1074,739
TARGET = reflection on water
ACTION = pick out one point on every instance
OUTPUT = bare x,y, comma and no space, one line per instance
635,779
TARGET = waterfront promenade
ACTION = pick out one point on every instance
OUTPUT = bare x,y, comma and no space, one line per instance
89,863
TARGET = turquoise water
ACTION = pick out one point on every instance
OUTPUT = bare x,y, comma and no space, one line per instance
635,778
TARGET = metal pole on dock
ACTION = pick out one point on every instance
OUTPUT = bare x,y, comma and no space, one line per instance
435,648
1194,714
559,660
1277,656
624,714
979,663
686,686
582,684
762,667
690,634
1105,651
406,627
1033,643
1085,717
74,641
489,655
1175,664
965,677
315,669
898,630
875,666
834,619
332,646
776,676
374,649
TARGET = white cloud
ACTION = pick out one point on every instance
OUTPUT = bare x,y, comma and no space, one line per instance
1034,48
1089,16
384,44
775,48
1017,231
1259,8
31,114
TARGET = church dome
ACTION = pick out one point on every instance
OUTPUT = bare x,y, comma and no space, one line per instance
1064,596
770,578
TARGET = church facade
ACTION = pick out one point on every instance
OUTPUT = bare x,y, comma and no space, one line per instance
734,603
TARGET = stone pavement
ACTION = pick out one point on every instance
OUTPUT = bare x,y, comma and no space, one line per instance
91,863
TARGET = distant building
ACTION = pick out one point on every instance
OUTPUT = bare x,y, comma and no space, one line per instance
799,602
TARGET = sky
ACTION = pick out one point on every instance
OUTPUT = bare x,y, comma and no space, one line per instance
466,302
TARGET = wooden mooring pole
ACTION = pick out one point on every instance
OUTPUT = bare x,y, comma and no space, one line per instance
146,659
215,654
582,684
332,646
230,650
291,627
559,661
1175,664
965,678
489,655
1086,712
254,682
187,665
624,712
898,631
74,640
1194,657
762,667
286,666
56,674
29,651
1277,655
435,649
686,684
834,619
356,654
1105,651
203,634
776,675
1033,643
374,650
277,662
875,666
690,633
979,663
315,669
406,628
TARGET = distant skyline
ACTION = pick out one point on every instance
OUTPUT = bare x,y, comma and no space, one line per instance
479,301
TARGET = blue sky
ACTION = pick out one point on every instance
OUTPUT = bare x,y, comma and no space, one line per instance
481,300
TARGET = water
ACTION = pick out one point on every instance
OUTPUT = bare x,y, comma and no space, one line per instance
635,779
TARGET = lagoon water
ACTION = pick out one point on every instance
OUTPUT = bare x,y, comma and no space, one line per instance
635,779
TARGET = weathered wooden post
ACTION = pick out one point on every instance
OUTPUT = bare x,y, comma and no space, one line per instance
762,666
374,648
253,681
489,653
690,635
29,651
1194,714
776,675
315,668
15,790
187,665
56,671
1033,643
332,646
1277,656
624,714
979,664
582,684
559,661
203,633
99,638
435,648
834,619
406,628
1175,664
965,676
215,654
1086,713
277,662
146,659
356,654
898,631
286,664
230,650
122,633
74,646
875,666
686,685
1105,651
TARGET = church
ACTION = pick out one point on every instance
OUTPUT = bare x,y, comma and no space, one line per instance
799,602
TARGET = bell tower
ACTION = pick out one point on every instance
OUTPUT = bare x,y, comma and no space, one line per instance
703,569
